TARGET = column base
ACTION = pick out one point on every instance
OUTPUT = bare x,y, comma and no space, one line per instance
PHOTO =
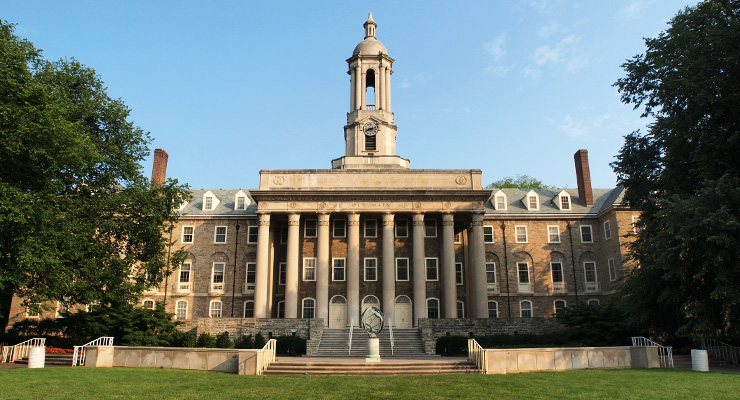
373,347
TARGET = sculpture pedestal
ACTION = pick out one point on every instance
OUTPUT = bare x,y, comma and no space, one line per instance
373,350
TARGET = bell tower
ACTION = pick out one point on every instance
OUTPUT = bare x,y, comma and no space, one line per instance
370,133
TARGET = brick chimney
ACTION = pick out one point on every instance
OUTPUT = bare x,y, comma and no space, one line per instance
583,176
159,171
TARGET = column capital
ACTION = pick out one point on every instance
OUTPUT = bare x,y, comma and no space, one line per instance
324,219
294,219
388,218
477,219
418,218
265,219
448,219
353,219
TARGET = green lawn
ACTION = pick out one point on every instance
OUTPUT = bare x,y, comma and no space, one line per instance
145,383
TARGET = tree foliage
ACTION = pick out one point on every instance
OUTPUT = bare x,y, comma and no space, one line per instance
78,220
684,174
520,181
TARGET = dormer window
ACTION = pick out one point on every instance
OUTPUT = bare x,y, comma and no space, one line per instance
532,200
499,200
241,201
210,201
562,200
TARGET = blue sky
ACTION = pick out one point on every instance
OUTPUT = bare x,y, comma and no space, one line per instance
229,88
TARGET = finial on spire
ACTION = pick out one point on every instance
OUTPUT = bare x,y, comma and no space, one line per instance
370,26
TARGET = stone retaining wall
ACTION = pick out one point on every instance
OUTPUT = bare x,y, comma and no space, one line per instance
503,361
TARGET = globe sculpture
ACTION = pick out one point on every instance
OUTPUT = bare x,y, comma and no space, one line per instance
372,323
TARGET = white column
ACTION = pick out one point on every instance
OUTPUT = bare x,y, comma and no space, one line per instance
363,91
419,269
388,89
353,267
389,268
380,92
263,258
358,87
351,90
322,270
292,271
479,267
449,286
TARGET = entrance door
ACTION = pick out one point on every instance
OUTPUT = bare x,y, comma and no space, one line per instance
370,301
338,313
403,312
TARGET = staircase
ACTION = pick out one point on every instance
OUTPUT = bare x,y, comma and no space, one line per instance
334,343
52,360
308,366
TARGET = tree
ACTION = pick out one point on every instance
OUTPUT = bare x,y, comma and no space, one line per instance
78,221
520,181
684,174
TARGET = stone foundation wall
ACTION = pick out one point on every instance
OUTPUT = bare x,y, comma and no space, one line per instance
432,329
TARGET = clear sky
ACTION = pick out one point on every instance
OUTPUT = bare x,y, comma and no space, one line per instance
229,88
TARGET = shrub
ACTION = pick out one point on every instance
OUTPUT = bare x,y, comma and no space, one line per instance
259,341
206,340
224,341
457,344
244,342
284,342
181,339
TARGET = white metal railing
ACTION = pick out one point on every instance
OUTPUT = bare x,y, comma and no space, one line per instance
266,356
722,350
78,357
349,345
477,355
390,330
665,353
20,351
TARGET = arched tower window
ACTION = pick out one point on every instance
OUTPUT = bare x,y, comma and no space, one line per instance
370,89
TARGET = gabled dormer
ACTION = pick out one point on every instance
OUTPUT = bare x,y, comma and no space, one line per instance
532,201
210,201
241,200
562,201
499,200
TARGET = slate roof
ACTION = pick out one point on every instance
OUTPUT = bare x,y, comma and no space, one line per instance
227,197
603,199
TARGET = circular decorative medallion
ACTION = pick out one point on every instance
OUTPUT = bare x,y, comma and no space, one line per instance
372,321
461,180
322,205
448,204
293,205
417,205
278,180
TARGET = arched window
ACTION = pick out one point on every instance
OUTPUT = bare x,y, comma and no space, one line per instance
432,308
525,309
309,305
370,89
281,309
181,309
593,302
460,309
559,306
370,301
492,309
148,304
249,309
215,309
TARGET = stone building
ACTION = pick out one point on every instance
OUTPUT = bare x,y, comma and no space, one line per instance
371,231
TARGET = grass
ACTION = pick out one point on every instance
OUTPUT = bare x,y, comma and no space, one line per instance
148,383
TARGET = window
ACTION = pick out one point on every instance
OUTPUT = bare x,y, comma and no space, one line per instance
309,305
241,203
181,309
148,304
525,309
553,233
432,270
340,228
532,202
607,230
459,273
564,202
586,236
559,306
62,308
612,270
460,309
281,273
590,269
184,280
187,234
337,269
523,269
32,310
487,234
281,309
208,203
501,202
557,272
430,228
283,235
432,308
370,143
217,277
521,233
251,279
249,309
371,228
371,269
309,269
402,269
220,235
593,302
491,273
215,309
402,228
635,220
309,229
457,232
492,309
253,234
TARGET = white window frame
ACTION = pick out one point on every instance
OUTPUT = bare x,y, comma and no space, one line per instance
488,235
435,268
211,309
367,268
459,274
495,309
304,308
557,286
338,264
342,228
187,284
402,224
253,231
524,287
179,309
408,273
612,269
590,230
311,224
532,201
218,286
282,273
37,314
553,234
374,222
280,313
592,285
61,308
245,308
567,205
460,309
192,234
250,286
216,234
457,232
439,312
522,310
501,202
492,264
208,203
635,218
309,271
242,206
516,234
607,230
555,306
430,224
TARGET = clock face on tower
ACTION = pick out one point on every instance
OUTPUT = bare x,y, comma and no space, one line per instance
370,128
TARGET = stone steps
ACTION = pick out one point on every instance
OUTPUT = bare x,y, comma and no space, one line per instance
360,367
52,360
334,343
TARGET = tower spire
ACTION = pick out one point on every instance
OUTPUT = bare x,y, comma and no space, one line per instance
370,26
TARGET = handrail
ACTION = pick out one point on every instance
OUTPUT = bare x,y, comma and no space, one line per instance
665,353
79,353
266,356
351,325
477,355
20,351
390,329
718,349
